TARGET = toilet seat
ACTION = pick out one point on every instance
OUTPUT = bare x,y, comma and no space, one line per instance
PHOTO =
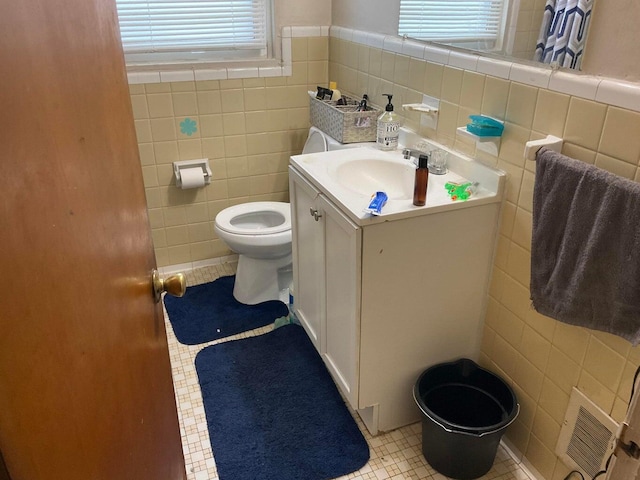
255,218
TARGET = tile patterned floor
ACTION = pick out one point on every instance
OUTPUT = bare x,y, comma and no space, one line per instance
395,455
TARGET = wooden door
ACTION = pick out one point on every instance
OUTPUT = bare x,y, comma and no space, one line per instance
85,380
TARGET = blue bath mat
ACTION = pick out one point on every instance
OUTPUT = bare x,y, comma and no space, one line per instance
273,410
208,312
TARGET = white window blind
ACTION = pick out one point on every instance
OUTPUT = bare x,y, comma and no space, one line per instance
160,26
452,21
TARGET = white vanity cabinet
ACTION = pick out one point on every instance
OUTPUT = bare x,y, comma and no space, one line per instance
308,252
326,275
384,298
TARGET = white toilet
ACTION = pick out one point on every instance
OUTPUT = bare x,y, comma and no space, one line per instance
260,233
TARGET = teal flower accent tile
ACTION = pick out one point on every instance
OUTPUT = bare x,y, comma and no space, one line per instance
188,126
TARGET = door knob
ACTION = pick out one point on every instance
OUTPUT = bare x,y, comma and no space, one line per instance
174,285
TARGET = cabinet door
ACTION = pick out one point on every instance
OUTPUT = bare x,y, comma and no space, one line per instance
342,250
308,257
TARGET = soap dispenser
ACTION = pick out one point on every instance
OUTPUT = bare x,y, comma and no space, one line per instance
388,127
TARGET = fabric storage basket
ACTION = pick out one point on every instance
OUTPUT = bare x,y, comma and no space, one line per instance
343,122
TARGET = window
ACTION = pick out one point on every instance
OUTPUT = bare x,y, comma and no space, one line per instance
193,31
469,23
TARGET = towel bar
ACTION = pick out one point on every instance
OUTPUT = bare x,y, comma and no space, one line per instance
532,146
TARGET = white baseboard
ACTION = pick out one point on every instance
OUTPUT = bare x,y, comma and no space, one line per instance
187,267
521,460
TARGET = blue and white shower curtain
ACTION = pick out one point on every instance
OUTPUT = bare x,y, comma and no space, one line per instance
563,33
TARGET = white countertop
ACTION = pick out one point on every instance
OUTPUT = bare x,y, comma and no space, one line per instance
319,169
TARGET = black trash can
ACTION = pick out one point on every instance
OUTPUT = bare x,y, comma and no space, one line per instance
465,410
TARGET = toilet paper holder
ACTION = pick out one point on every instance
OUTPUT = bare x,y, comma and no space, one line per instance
203,163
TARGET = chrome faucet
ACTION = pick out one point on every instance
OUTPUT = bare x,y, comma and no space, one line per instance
407,153
437,159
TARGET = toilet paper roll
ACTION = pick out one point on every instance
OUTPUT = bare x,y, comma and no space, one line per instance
192,178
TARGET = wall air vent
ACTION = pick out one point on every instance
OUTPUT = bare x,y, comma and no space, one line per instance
587,437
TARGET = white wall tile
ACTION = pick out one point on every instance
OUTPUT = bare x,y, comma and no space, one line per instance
413,49
346,34
360,37
143,77
269,72
211,74
393,44
286,50
306,31
618,93
572,84
534,76
375,40
177,76
437,55
605,90
496,68
177,268
463,60
243,72
334,31
206,263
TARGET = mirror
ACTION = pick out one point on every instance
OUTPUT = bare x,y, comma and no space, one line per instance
520,22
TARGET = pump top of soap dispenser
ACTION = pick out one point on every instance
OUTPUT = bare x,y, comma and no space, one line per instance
389,107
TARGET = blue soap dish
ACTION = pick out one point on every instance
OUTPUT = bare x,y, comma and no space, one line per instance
485,126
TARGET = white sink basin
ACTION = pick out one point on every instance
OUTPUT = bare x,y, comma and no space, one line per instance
351,176
368,176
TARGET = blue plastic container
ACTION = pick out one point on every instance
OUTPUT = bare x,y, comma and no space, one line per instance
485,126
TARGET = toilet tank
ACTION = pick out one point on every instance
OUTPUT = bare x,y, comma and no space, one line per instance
319,141
316,141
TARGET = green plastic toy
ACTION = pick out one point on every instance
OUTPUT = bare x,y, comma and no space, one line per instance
459,191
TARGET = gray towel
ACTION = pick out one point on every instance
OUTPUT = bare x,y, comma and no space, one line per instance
585,249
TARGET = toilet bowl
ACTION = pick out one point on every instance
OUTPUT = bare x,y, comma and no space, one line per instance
260,233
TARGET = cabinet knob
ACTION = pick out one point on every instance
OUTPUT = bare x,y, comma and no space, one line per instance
314,213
